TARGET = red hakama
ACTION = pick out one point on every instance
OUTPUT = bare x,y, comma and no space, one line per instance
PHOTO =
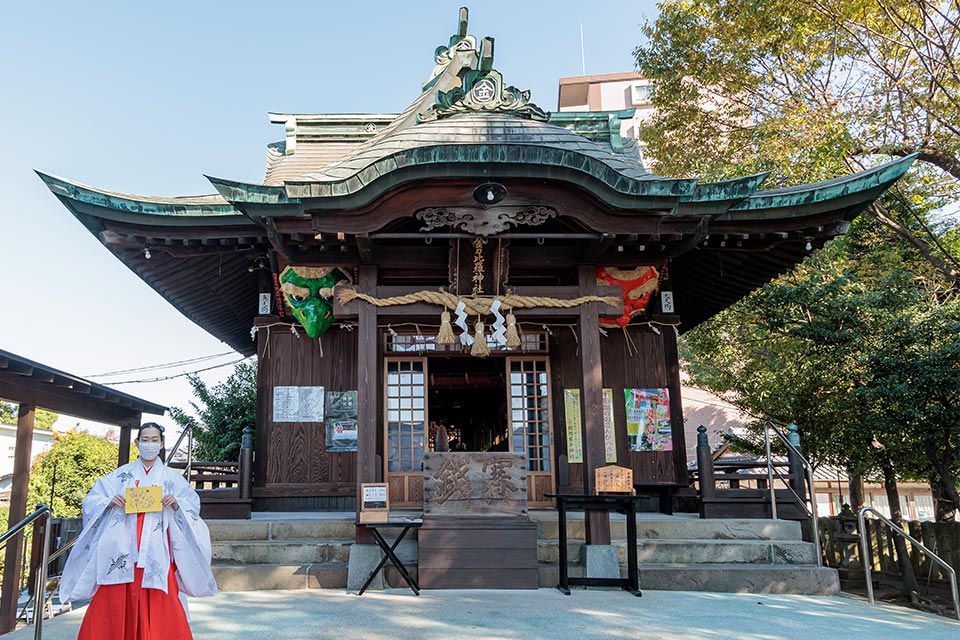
130,612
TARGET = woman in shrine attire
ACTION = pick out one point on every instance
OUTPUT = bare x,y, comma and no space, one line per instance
138,566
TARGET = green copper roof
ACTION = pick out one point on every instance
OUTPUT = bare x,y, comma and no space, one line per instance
200,210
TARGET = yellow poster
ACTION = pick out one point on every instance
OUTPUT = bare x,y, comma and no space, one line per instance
571,406
609,430
143,499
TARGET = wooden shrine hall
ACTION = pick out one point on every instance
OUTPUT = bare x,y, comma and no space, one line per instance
473,274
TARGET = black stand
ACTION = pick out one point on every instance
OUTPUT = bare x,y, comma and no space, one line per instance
618,504
388,550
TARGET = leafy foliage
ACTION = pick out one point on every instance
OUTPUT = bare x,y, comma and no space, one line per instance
42,418
859,344
223,412
809,89
68,471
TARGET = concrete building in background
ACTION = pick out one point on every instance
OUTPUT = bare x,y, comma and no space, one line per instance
43,440
611,92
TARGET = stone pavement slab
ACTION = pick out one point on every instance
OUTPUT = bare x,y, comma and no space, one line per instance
546,613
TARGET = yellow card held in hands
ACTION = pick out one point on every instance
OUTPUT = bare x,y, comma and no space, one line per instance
143,499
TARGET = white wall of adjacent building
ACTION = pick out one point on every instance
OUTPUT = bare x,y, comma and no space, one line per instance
43,440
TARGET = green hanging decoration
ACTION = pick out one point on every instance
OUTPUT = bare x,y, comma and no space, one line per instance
309,292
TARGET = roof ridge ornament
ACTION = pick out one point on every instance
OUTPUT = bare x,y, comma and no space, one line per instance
460,41
482,88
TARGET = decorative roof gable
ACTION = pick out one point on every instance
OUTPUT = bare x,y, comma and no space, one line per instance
482,88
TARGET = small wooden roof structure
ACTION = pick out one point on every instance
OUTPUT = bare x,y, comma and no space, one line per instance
26,381
31,385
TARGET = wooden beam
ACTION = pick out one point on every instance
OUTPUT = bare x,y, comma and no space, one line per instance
19,389
597,522
672,357
599,246
18,510
364,247
368,383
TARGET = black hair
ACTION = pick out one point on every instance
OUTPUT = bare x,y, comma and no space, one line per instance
150,425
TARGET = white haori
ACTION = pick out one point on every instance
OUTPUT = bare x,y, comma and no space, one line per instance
106,550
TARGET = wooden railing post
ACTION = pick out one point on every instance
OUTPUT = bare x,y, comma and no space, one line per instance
245,471
705,464
797,471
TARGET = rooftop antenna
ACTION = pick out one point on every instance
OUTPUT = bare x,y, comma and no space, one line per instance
583,59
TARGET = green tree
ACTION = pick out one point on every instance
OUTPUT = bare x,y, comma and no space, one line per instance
858,346
222,413
68,470
807,89
42,419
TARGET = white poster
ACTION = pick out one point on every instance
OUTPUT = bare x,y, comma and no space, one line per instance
298,404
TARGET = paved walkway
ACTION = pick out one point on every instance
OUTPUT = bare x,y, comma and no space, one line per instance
546,613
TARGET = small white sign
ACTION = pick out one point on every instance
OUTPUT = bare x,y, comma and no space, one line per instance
264,304
666,301
298,404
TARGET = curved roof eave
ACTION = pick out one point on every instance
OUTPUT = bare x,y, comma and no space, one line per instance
483,161
840,192
193,210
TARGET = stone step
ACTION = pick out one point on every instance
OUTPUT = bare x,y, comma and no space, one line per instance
266,577
657,529
281,552
696,551
261,577
238,530
288,552
683,529
793,579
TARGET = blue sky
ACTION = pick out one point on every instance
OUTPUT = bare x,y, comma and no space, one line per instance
147,97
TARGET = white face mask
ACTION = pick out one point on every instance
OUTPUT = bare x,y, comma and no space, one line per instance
149,450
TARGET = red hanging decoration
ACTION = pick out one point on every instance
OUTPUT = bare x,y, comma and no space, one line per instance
638,286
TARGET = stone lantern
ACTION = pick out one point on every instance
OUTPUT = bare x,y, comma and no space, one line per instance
848,541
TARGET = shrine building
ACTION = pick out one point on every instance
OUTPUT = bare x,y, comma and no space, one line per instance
473,274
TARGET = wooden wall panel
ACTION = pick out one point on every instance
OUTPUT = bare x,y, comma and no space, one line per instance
292,457
565,374
638,359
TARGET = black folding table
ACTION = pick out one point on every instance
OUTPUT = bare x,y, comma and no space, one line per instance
388,549
618,504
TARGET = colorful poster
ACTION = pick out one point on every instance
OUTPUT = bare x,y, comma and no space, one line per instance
609,431
571,406
341,421
648,420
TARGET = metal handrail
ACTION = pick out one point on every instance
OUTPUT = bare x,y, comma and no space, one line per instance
811,510
42,511
188,433
59,552
865,547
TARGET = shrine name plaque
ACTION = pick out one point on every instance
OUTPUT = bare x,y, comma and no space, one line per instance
474,483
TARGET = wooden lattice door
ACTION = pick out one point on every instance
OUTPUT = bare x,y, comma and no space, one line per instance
531,425
405,420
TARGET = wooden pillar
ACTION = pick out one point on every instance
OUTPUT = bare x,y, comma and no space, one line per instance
18,511
123,451
597,522
368,385
672,356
